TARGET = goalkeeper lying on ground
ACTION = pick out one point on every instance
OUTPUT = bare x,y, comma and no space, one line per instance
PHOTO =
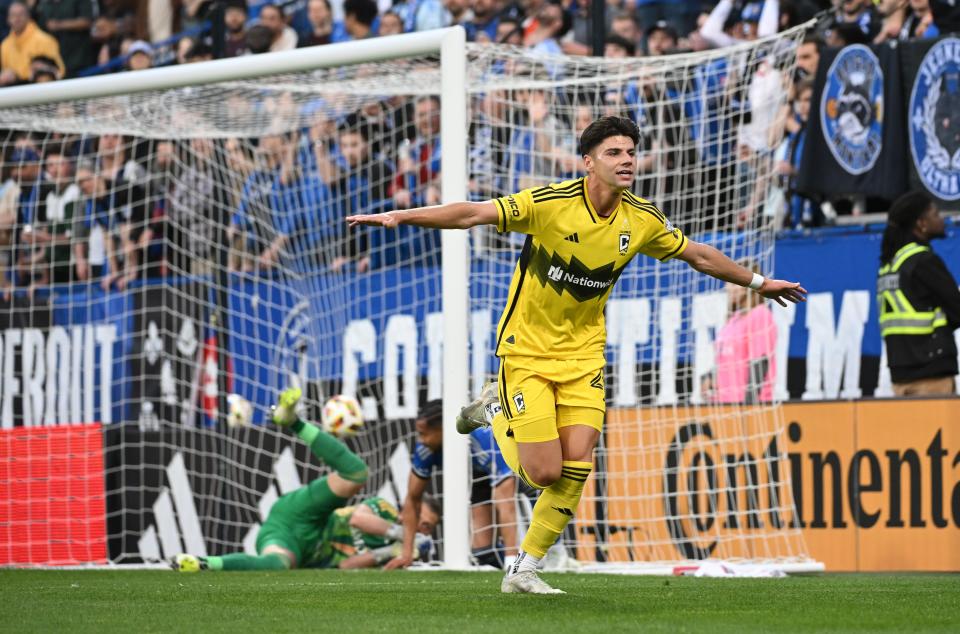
313,527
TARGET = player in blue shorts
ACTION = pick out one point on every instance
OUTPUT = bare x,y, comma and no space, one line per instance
493,494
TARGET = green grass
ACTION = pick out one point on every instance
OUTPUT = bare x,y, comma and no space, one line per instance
371,601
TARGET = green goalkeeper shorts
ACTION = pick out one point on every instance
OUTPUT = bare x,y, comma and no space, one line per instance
297,520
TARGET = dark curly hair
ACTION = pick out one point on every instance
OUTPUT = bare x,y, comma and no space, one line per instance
901,220
432,413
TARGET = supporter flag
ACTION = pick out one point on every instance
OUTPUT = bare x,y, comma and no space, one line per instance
931,91
855,143
210,376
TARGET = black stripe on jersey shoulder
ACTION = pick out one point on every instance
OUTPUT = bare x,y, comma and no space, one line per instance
683,241
550,191
522,266
502,220
544,199
650,208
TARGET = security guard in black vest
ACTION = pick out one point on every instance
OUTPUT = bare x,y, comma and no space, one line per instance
919,300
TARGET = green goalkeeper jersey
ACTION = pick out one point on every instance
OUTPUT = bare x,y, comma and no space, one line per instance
339,540
314,524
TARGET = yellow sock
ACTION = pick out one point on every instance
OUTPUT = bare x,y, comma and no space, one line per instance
556,507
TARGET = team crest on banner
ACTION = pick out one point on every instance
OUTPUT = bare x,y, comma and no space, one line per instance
935,120
851,109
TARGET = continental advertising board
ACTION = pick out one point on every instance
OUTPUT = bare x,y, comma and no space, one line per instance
875,484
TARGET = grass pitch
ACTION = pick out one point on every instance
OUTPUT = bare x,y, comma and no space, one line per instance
335,602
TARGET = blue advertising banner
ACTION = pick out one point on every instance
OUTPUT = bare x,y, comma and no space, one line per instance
146,355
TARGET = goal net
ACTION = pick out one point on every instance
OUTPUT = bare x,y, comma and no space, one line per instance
166,248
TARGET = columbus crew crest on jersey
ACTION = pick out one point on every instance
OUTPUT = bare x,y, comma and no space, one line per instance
935,120
851,109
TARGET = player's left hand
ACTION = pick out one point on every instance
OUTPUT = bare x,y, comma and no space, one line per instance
386,220
779,290
400,561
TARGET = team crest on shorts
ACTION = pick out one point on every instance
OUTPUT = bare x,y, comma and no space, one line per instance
935,120
518,402
851,109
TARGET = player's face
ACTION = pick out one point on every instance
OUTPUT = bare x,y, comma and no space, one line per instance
613,162
432,437
428,520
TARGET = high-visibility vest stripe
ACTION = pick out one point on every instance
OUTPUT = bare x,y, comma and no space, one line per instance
897,314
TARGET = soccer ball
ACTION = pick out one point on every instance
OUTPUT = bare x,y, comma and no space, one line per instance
239,411
341,416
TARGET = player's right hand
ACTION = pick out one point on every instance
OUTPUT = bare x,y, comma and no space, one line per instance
400,561
386,220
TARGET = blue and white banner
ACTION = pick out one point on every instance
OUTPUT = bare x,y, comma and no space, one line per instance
138,356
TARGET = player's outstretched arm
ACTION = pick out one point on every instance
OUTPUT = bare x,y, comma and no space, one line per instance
409,519
461,215
708,260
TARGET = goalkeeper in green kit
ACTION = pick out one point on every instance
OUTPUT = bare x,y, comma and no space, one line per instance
313,527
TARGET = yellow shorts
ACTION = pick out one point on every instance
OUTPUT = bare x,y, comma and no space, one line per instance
539,395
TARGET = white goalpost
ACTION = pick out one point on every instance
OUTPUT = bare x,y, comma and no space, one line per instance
172,236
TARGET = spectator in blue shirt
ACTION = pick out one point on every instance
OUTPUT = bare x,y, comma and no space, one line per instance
363,187
492,482
281,209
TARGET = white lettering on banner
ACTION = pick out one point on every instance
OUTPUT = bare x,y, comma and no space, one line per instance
57,409
833,352
55,377
76,375
400,342
105,335
11,384
88,377
33,370
359,339
671,311
834,348
628,327
434,339
709,314
783,319
884,383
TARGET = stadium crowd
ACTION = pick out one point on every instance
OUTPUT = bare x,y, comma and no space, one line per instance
102,207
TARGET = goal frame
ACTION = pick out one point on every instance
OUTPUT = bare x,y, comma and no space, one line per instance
450,45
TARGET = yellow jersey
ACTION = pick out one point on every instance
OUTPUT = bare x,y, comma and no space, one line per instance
571,259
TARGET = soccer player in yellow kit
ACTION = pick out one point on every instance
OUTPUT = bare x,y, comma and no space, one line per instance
551,339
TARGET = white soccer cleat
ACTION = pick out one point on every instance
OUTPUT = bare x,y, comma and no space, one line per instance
481,411
527,582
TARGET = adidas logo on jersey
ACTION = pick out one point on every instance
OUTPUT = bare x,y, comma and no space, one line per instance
564,511
573,237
